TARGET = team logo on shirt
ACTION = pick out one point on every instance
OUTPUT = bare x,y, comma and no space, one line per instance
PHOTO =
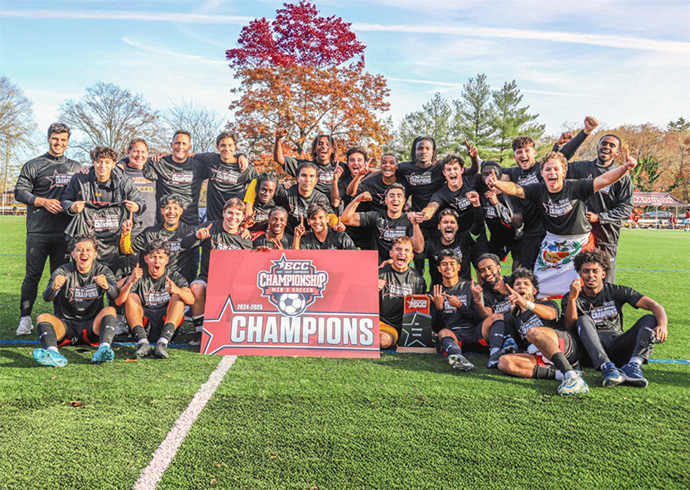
560,208
490,212
325,176
502,307
227,176
419,179
404,289
59,180
181,177
462,203
392,232
221,245
86,293
154,297
106,222
602,313
175,246
528,179
534,321
292,285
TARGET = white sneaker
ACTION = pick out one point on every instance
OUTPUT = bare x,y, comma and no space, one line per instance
121,327
25,326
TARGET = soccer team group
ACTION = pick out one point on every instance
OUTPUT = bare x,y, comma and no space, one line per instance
133,231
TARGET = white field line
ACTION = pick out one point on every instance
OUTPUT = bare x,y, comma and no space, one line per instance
165,453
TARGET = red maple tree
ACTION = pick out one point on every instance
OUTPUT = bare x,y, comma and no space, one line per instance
306,73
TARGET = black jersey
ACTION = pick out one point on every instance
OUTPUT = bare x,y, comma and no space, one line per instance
325,182
392,296
457,200
335,240
180,259
225,181
420,183
524,320
152,293
385,230
80,298
465,316
183,179
503,219
147,189
461,245
530,210
219,240
375,186
496,301
296,204
45,176
612,204
263,241
606,307
563,212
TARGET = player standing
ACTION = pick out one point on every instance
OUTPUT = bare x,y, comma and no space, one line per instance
40,185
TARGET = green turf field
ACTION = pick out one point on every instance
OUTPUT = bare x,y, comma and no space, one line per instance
404,421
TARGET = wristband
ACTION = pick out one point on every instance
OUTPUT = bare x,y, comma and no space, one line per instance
529,305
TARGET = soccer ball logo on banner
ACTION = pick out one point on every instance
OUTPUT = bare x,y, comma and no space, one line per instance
292,285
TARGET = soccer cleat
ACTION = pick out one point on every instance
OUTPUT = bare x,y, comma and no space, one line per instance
574,385
121,327
493,359
103,354
142,351
196,340
612,375
47,357
459,362
25,326
509,346
632,372
161,351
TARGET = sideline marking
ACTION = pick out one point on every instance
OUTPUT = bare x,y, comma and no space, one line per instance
165,453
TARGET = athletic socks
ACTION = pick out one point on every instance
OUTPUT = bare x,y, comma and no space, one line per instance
198,322
46,334
546,372
561,362
637,360
107,332
497,334
450,346
166,333
138,333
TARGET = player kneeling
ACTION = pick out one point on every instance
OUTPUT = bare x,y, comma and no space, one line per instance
554,350
155,297
77,290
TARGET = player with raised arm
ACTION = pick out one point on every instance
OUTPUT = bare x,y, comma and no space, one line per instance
528,172
563,213
229,174
275,236
215,235
154,299
594,309
377,183
606,209
552,351
396,280
323,156
40,186
457,315
388,225
77,291
448,238
297,198
321,237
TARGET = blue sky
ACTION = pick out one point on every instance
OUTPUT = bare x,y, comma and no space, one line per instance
625,62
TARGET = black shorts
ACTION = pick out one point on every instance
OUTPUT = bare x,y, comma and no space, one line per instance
154,320
567,344
77,331
471,335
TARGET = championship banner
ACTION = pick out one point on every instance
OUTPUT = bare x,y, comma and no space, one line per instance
292,303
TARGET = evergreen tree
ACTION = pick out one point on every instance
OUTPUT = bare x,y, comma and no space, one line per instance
474,115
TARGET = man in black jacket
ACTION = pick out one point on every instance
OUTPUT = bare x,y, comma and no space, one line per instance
40,186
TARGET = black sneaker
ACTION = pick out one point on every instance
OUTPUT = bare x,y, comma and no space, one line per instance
161,351
143,350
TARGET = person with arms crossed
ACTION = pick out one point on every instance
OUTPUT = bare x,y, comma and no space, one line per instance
40,186
77,291
594,309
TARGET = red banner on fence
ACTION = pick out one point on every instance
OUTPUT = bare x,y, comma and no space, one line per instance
292,303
